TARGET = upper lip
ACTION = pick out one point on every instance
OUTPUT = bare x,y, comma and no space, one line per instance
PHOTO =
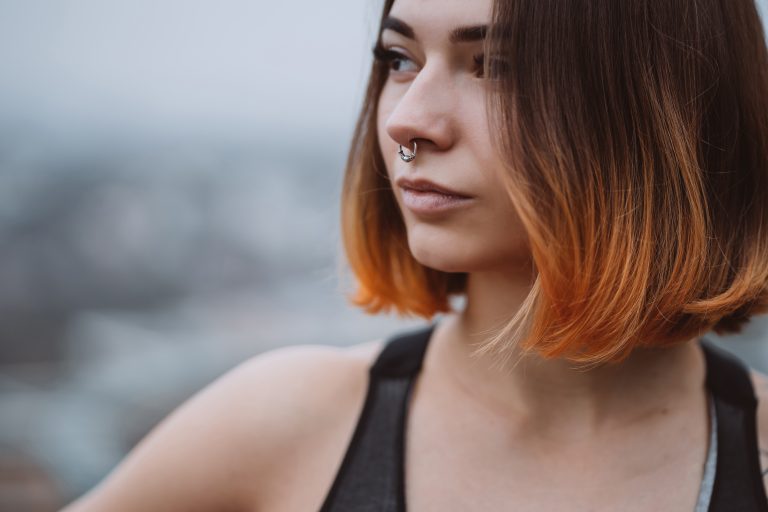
426,185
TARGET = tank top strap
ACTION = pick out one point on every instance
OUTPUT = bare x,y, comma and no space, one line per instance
738,483
402,354
371,475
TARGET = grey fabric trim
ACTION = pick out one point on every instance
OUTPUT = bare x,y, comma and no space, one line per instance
708,480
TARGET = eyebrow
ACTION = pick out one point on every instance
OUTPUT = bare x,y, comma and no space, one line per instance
466,34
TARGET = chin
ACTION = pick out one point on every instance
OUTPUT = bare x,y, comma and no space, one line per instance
446,257
461,255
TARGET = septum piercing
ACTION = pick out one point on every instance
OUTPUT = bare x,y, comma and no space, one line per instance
404,157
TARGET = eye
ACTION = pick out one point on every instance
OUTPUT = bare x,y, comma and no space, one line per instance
497,66
392,59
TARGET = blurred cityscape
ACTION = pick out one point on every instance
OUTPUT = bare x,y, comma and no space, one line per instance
169,188
131,280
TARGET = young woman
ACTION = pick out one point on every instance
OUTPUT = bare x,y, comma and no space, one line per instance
590,177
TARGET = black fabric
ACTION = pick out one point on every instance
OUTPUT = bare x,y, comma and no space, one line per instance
371,476
738,482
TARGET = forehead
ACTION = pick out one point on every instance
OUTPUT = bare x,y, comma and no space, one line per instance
435,19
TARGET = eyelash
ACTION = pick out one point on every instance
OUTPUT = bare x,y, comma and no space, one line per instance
387,56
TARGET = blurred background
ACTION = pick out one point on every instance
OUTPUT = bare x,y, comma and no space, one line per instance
169,187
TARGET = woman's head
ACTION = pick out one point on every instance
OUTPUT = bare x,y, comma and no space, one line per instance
619,148
435,94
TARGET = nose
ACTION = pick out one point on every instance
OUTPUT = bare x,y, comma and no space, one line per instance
424,113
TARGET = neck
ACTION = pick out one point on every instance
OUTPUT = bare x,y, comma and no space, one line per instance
552,395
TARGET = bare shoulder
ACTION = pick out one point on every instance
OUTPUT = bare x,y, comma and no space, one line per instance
321,413
243,429
760,383
367,350
325,388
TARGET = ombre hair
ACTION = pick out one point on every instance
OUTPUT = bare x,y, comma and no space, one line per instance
635,143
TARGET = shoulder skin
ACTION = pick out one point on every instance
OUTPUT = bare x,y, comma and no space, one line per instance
219,450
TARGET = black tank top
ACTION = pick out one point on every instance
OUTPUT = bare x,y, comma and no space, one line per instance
371,477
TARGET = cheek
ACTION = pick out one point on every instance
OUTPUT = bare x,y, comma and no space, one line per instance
385,106
479,136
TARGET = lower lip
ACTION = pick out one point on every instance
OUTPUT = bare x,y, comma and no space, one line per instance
426,202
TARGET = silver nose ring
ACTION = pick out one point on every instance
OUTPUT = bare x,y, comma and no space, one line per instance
407,158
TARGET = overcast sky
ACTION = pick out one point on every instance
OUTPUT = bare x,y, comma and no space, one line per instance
190,66
214,68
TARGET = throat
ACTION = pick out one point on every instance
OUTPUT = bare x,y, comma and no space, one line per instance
550,398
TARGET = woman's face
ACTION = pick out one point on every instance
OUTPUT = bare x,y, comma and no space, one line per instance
435,94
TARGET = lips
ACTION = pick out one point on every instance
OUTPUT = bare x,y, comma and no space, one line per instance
428,186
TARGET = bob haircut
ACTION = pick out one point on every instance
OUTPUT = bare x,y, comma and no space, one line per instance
635,143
